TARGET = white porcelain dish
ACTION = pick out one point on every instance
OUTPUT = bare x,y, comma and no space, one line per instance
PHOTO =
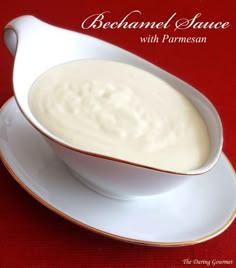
197,211
37,46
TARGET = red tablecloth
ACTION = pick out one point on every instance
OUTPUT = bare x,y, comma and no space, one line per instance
33,236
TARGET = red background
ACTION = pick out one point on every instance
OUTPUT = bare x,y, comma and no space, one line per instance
30,234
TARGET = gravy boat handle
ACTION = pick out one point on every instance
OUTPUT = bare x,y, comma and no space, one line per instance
18,29
40,42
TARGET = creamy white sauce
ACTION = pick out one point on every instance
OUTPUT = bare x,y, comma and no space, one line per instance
118,110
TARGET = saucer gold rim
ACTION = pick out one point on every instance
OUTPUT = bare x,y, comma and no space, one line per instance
107,234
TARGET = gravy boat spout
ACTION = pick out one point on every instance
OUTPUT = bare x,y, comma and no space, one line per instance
38,46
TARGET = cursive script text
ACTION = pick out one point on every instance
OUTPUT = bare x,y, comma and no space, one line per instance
130,21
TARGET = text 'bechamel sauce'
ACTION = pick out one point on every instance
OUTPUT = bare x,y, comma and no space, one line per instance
118,110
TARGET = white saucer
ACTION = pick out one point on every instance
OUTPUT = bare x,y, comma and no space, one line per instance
197,211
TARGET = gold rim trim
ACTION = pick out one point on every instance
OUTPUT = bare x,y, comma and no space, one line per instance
110,235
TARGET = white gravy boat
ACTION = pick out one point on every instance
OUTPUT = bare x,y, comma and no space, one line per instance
37,46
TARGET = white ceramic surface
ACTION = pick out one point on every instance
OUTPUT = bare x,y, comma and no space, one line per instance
197,211
39,46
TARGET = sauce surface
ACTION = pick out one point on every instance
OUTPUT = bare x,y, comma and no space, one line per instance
121,111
